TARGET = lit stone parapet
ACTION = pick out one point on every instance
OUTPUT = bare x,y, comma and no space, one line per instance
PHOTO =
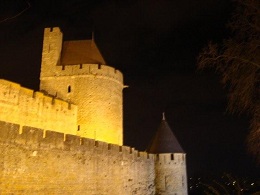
101,71
36,161
29,108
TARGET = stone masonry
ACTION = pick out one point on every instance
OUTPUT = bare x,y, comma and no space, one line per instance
68,138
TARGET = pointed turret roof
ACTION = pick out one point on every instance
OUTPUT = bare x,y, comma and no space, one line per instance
81,52
164,140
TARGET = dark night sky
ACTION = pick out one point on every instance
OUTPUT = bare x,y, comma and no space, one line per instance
155,44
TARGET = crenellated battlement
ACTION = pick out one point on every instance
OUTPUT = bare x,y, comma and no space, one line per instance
24,106
35,138
171,158
13,92
68,138
42,159
84,70
52,30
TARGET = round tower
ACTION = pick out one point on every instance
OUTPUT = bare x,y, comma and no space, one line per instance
72,71
170,162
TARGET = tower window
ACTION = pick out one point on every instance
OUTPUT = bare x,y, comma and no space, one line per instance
69,89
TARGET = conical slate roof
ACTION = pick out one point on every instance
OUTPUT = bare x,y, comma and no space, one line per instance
164,141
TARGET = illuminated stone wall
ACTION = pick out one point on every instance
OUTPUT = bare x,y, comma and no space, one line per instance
31,164
23,106
65,160
95,89
170,174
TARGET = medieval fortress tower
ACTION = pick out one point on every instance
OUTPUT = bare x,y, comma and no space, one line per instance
68,137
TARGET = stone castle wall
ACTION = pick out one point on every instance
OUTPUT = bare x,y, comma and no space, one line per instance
38,162
34,161
171,176
46,145
96,89
26,107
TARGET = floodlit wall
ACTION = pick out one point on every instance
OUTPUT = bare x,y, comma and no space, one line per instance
34,163
23,106
35,160
96,89
170,174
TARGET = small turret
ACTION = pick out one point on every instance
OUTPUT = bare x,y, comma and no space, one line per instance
164,140
170,162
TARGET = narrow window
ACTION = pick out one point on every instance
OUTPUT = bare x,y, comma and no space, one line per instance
78,127
52,100
69,89
172,157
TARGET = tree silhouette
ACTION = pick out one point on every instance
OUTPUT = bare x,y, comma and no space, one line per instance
237,60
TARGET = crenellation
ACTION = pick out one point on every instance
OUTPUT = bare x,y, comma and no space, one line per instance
143,155
135,154
102,71
89,143
28,93
151,156
54,29
114,147
101,147
53,140
126,150
47,101
51,29
109,146
72,142
68,138
8,132
29,108
9,92
30,137
174,158
35,138
121,166
10,84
